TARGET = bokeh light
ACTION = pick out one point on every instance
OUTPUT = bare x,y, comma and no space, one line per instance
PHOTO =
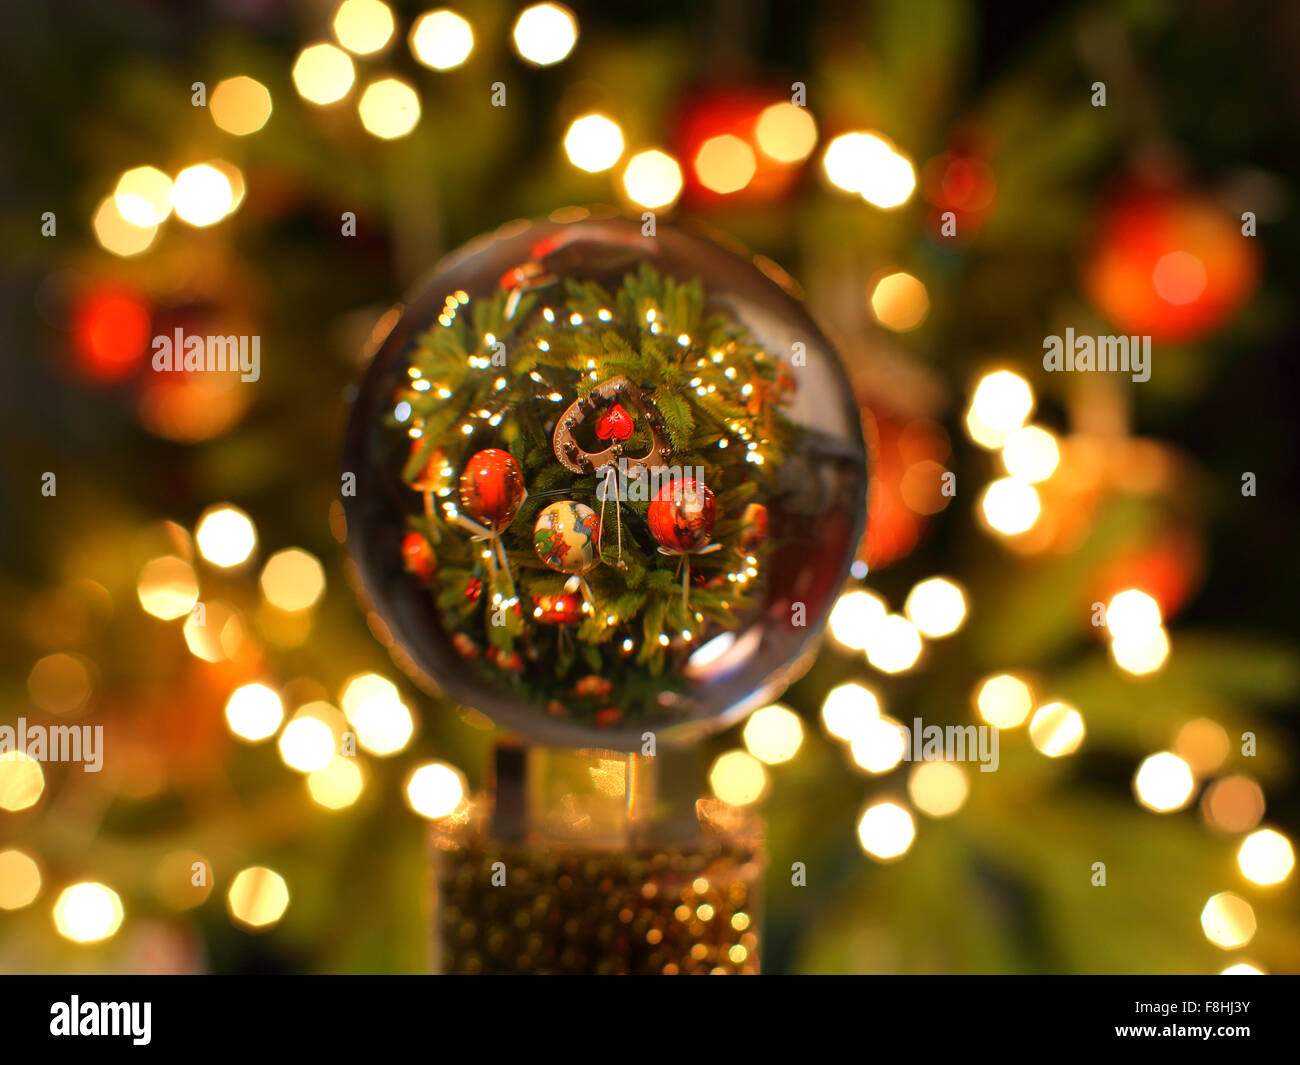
254,712
20,879
257,897
307,743
240,105
593,143
167,587
1144,655
293,579
1266,857
1228,920
435,790
849,709
1202,744
59,684
383,723
879,745
900,302
1056,729
738,778
1000,404
652,179
144,196
389,108
893,644
1164,783
337,785
1031,454
118,234
1132,616
545,34
870,166
1233,804
441,39
1004,700
786,133
323,74
937,788
725,164
21,781
936,606
88,912
202,195
363,27
225,535
886,830
853,616
773,734
1010,506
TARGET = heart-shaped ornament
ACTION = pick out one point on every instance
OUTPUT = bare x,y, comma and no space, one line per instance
614,424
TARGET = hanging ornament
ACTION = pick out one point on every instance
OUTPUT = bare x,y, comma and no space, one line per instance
565,537
417,556
626,353
753,523
491,488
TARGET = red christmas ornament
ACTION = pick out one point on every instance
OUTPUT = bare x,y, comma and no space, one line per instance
110,330
753,525
417,556
491,488
1170,266
614,424
557,609
682,514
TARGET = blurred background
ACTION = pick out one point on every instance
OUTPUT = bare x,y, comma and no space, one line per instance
954,190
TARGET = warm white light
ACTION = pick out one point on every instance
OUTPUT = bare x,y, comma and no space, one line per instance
868,165
225,535
441,39
1144,655
21,780
323,74
725,164
20,880
786,133
88,912
853,616
936,606
886,830
1056,729
1228,920
389,108
900,301
893,644
144,196
254,712
116,233
593,143
879,746
373,707
773,734
1132,616
258,897
545,34
240,105
307,743
435,790
167,587
1266,857
202,195
1010,506
652,179
848,710
1031,454
1004,701
937,788
293,579
337,785
1163,783
738,778
363,26
1001,403
1242,968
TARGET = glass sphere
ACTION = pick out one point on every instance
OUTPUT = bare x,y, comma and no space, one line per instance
549,386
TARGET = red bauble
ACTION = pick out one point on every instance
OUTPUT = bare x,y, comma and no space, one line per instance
753,525
492,487
682,514
417,556
1170,266
614,424
557,609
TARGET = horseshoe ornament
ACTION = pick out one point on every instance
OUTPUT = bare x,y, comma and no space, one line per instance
617,389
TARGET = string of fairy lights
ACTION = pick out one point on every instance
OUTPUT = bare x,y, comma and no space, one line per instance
329,742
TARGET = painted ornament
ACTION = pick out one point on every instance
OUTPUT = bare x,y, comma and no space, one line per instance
565,537
492,488
682,515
